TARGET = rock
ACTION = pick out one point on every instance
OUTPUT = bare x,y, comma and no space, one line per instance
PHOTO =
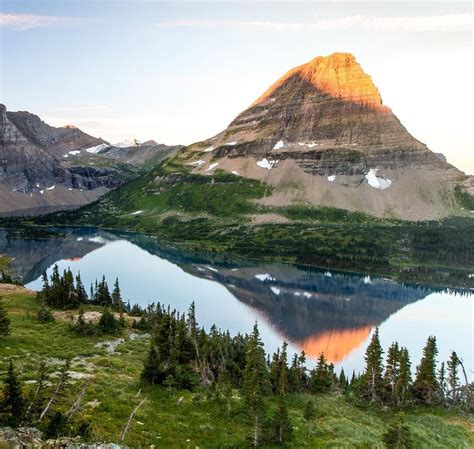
326,120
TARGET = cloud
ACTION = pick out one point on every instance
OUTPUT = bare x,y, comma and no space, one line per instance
28,21
446,22
80,108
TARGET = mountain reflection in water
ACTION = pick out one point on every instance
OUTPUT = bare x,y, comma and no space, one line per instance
313,310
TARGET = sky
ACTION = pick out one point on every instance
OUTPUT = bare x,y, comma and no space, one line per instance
179,72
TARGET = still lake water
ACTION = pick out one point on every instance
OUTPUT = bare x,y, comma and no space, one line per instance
313,310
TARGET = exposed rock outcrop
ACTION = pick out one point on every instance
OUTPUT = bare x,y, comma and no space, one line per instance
43,168
320,134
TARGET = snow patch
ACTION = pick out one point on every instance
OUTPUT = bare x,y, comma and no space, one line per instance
69,188
275,290
212,269
377,183
214,165
209,149
268,164
41,191
297,293
230,143
328,274
279,144
50,188
126,143
75,152
97,148
197,163
332,178
367,280
65,155
236,173
80,239
264,277
137,212
307,295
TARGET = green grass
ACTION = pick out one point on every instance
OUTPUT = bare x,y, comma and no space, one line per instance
170,420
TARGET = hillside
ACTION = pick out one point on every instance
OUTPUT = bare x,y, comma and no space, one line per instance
179,418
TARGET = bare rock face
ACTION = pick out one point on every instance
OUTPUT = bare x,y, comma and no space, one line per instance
55,140
23,164
324,128
32,175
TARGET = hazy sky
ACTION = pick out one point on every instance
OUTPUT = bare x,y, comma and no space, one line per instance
179,72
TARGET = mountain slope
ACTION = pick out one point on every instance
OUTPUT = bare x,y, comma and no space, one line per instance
47,168
321,136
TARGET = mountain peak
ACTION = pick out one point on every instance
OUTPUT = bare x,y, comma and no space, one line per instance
338,75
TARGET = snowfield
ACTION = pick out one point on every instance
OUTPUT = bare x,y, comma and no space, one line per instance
377,183
279,144
332,178
96,149
264,163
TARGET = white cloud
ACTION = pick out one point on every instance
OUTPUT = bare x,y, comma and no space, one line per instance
446,22
27,21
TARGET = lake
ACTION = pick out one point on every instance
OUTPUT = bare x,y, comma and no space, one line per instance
313,310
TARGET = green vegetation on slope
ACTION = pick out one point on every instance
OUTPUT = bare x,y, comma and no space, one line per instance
172,418
213,213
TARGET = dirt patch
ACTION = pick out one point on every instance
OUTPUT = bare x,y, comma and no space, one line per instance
268,218
13,288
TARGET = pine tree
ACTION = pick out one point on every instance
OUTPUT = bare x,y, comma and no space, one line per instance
373,368
255,382
453,378
403,385
398,435
426,384
4,320
13,405
309,413
392,371
321,377
44,315
108,324
80,290
117,302
37,398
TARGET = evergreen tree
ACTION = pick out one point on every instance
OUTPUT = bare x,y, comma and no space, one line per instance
321,377
4,320
403,385
373,368
398,435
117,302
56,426
309,412
80,290
102,294
453,378
255,382
426,384
108,324
13,405
44,315
392,372
281,430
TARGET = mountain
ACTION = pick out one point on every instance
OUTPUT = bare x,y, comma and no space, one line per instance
321,136
47,168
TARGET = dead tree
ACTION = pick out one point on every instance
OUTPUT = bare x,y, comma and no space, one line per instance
130,418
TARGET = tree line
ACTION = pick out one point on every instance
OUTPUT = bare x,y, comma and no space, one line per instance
66,291
183,355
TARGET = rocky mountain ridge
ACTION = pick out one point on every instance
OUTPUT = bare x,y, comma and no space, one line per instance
46,168
321,136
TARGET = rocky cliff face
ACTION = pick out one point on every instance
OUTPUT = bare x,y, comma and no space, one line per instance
41,168
321,135
57,141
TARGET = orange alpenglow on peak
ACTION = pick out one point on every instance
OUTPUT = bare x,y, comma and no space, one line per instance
338,75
